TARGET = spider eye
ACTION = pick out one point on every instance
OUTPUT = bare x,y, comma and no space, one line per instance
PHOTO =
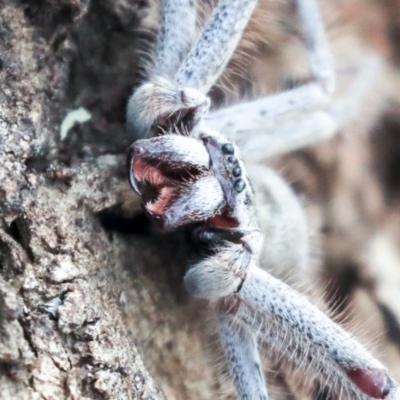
231,160
239,185
237,171
228,148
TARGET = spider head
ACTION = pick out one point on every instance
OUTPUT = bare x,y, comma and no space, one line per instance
230,171
183,180
159,107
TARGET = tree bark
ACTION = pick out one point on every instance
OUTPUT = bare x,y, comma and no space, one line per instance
62,328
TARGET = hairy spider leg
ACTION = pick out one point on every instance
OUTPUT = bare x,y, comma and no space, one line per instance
159,105
320,58
294,119
263,113
216,45
240,347
177,31
300,331
275,125
177,103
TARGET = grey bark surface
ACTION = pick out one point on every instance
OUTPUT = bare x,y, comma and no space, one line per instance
62,329
91,305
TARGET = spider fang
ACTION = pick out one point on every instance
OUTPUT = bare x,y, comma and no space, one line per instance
171,171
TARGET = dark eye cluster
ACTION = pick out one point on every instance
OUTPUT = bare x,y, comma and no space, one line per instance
232,167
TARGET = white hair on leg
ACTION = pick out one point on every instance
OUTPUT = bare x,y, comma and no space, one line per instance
213,50
177,30
241,351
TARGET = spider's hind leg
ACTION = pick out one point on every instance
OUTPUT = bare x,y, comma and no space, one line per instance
291,120
261,113
304,126
320,58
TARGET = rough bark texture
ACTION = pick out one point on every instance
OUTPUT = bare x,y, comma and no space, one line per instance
90,300
63,334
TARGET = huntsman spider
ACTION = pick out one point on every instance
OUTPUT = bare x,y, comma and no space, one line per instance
185,164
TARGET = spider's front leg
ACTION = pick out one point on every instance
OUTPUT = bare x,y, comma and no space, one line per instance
174,96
